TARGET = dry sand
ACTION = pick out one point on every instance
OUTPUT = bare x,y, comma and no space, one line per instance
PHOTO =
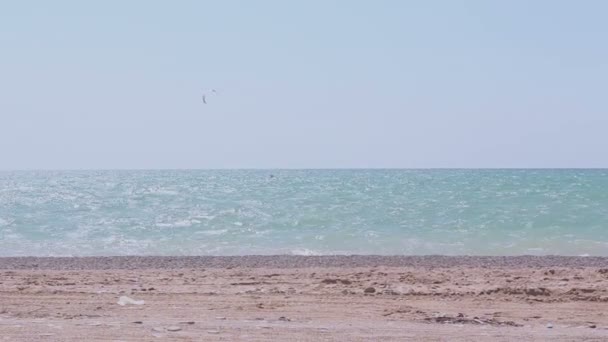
288,298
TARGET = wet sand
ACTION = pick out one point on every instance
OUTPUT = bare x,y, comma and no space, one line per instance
329,298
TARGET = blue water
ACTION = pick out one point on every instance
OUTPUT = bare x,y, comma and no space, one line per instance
452,212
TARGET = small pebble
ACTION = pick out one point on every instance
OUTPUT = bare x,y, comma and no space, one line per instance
174,328
157,329
220,318
549,326
369,290
213,331
592,326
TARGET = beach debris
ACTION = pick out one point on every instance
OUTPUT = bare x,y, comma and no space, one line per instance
215,332
220,318
36,309
537,291
124,300
400,310
335,281
461,319
369,290
188,322
138,322
284,319
549,326
391,292
592,326
173,328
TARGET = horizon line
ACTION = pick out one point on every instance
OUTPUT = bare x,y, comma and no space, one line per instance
303,169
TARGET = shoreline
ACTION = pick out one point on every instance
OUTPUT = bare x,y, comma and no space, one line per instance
294,261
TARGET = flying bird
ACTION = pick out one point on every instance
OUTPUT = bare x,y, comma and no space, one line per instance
205,95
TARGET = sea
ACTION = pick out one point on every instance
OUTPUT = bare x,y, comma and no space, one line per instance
304,212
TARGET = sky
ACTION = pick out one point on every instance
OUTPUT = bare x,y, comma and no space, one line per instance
303,84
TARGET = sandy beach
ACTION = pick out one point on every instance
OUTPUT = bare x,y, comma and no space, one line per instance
299,298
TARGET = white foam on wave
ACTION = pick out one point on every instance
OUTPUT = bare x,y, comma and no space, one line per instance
213,232
10,235
371,234
305,252
182,223
536,249
178,224
206,217
5,222
161,191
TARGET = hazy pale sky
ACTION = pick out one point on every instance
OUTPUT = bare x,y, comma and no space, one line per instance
303,84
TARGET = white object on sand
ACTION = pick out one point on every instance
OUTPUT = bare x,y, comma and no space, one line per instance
124,300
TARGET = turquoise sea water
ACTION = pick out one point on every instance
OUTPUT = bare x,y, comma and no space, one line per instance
452,212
